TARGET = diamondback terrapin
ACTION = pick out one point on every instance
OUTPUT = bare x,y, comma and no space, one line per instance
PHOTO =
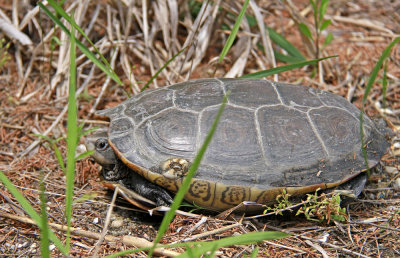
271,137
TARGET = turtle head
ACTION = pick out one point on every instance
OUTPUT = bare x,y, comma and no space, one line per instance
103,153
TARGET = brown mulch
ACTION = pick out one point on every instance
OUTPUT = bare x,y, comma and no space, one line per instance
33,94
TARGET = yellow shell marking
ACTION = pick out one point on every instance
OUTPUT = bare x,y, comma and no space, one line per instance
175,168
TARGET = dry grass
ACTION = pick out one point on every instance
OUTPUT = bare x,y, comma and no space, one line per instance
138,40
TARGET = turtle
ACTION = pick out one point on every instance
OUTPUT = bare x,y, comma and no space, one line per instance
272,138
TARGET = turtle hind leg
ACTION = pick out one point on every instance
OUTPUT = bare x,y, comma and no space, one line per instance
355,185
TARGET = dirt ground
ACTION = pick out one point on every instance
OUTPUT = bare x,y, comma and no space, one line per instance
33,99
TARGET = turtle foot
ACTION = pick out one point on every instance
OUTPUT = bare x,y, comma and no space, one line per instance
149,190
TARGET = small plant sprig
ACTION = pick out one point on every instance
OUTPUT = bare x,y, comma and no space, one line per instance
323,208
320,23
282,203
317,207
3,52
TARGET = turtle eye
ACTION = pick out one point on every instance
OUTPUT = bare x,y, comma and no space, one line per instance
101,144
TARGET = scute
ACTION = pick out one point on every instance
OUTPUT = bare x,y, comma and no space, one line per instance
271,136
197,95
149,104
262,93
297,95
235,144
332,100
121,125
288,138
338,129
170,133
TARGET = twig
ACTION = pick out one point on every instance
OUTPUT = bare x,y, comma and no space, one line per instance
18,209
378,226
318,247
284,246
212,232
146,39
242,50
361,22
81,120
265,39
29,16
106,224
197,225
345,250
12,32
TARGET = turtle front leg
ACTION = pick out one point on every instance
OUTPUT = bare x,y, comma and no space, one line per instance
130,179
148,190
140,185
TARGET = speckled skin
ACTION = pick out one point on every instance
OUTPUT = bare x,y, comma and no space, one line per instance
271,136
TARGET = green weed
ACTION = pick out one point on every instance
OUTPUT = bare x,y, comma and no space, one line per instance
320,24
3,52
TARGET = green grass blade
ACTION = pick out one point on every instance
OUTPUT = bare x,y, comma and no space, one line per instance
57,151
322,9
245,239
305,30
70,20
377,67
30,210
327,40
84,155
72,135
162,68
371,81
3,52
234,31
186,182
281,69
294,55
44,232
85,197
325,24
83,133
210,253
285,44
384,84
254,253
286,58
83,48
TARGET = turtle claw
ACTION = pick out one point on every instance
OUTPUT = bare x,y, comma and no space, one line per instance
164,199
154,193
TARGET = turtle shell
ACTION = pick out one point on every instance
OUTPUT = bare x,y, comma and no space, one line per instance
271,136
